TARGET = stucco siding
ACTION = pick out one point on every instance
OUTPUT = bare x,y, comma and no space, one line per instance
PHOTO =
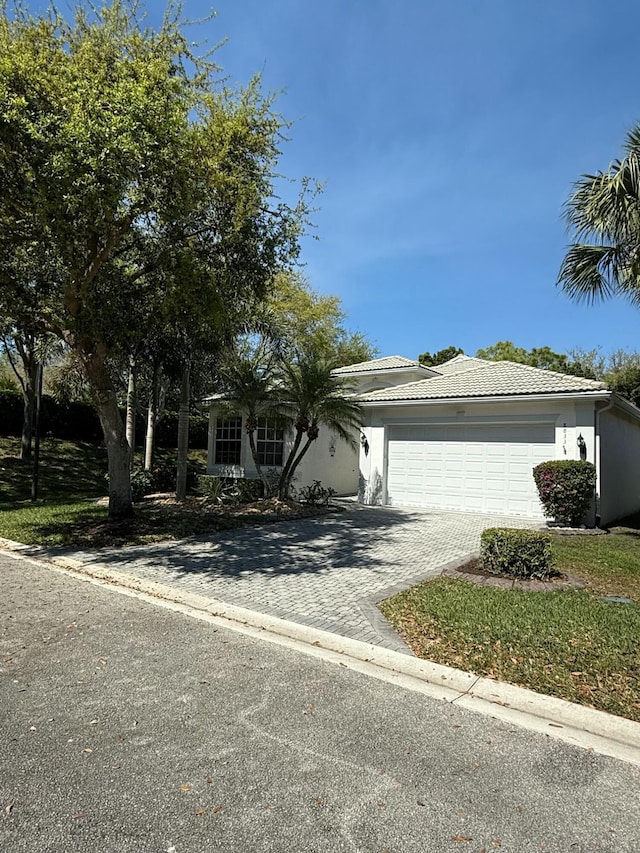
332,461
561,417
329,459
619,485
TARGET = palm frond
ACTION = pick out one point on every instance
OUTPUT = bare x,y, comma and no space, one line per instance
582,273
604,215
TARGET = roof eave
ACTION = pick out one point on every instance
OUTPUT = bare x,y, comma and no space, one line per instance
625,405
497,398
380,371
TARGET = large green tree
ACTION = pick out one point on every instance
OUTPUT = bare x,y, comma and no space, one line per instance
433,359
543,357
312,324
603,214
620,370
147,189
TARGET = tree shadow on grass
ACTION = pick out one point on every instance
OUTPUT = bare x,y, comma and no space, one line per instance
67,471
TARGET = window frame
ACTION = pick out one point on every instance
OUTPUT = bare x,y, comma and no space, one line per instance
270,449
228,433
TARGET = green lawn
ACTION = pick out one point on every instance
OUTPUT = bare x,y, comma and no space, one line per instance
72,477
68,471
570,644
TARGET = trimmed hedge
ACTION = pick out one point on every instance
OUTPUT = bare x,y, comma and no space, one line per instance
80,422
517,553
566,488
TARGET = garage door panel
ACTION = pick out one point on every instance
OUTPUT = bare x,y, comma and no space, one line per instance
482,467
475,504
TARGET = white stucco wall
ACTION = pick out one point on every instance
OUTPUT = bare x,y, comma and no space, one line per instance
619,465
338,471
570,420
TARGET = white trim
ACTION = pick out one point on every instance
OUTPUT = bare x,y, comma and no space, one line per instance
625,405
471,419
502,398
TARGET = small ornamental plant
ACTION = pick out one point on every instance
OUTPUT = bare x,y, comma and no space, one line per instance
517,553
566,489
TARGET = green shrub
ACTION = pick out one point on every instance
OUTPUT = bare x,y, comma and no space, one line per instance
11,412
566,488
229,490
211,488
142,483
316,494
249,491
517,553
167,431
164,476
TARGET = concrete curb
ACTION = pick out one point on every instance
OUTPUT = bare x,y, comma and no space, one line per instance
576,724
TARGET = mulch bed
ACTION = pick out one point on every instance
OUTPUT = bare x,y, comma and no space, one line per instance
474,572
161,517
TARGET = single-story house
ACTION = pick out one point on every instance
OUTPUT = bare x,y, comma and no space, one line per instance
468,436
329,459
464,435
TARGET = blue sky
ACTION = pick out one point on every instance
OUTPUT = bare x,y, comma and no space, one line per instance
448,136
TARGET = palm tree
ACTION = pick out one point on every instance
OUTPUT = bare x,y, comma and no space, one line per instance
605,210
312,395
249,385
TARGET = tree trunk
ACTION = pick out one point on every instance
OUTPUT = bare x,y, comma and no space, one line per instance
266,486
25,347
115,439
29,404
183,436
292,469
36,432
131,411
152,420
287,474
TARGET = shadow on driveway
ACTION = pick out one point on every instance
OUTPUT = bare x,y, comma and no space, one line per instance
371,539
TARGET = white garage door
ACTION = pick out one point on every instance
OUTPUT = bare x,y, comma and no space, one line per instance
483,468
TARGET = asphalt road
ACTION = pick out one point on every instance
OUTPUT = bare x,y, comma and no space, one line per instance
128,728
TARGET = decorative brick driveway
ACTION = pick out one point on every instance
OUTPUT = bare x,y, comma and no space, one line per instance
325,572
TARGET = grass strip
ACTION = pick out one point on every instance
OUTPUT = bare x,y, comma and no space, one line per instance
569,644
609,564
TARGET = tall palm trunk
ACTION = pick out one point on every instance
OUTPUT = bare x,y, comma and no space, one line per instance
266,485
152,418
286,477
183,434
131,411
296,460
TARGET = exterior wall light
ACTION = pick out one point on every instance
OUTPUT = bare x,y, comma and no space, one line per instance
582,445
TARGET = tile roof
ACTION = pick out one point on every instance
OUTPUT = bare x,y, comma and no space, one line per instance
388,363
492,379
460,363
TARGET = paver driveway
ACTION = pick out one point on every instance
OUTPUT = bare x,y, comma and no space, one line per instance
326,572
